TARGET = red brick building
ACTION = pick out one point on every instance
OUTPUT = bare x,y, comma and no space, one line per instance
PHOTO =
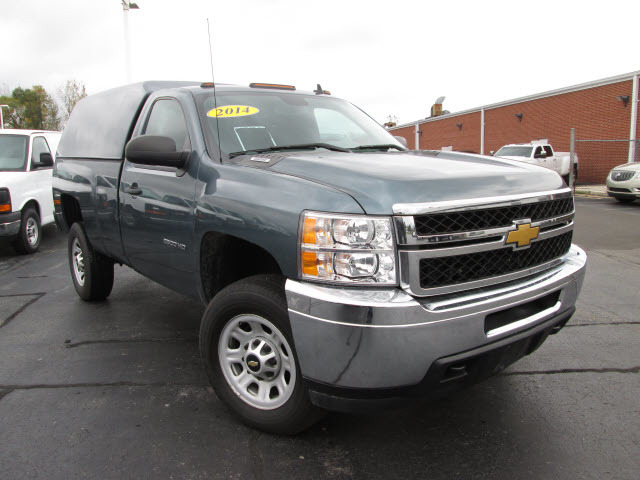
600,110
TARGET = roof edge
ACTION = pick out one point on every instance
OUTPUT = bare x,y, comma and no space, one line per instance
550,93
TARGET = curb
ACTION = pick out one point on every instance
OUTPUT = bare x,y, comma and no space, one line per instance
593,192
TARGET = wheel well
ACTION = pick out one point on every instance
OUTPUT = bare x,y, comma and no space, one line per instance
225,259
34,204
70,209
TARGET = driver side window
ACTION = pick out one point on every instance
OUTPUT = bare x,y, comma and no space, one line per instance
167,120
39,146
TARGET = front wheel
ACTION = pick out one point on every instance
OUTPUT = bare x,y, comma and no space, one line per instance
248,353
92,273
28,239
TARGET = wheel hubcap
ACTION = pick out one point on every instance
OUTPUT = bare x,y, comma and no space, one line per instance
32,231
257,361
78,261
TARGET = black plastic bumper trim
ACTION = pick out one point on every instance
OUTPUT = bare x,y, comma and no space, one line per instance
10,217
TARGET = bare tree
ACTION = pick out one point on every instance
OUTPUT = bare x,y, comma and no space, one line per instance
70,94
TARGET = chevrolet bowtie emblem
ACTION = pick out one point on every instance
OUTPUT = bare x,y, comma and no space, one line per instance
522,236
252,363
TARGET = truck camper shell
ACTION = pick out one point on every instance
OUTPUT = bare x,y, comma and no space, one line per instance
102,123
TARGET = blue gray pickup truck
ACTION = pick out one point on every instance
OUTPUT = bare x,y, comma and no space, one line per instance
341,271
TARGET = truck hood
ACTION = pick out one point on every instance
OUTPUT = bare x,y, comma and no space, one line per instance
379,180
10,179
520,159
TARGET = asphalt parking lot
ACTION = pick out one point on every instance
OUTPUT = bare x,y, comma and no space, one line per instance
116,389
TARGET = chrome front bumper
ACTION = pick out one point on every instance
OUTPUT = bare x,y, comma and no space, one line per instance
384,338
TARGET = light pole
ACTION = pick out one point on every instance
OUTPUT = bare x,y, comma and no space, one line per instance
126,6
1,117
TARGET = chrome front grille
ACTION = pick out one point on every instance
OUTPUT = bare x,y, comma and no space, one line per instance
454,222
452,246
622,175
443,271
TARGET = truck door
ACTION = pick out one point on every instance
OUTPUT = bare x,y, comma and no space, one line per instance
40,179
157,205
551,160
539,157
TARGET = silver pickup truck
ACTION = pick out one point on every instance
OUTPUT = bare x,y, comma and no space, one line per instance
341,271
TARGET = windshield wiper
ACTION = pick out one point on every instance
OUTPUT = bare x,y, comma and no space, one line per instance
302,146
379,147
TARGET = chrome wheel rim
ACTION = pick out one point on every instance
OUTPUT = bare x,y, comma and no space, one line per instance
257,362
32,231
78,261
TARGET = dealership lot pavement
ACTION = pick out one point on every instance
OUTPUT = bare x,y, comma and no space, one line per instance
116,389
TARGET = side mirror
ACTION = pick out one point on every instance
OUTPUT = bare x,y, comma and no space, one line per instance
402,140
155,150
540,155
46,160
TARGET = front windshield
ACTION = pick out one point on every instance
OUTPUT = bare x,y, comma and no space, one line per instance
13,153
266,120
514,152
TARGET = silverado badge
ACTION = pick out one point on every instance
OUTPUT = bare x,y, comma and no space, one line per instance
522,235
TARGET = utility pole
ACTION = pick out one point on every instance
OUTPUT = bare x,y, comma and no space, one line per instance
126,6
1,117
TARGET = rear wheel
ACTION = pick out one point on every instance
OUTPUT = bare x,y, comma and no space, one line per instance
248,353
28,239
92,273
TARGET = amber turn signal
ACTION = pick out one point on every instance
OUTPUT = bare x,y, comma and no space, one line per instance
309,231
310,263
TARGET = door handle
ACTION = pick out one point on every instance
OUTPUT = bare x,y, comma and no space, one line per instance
133,189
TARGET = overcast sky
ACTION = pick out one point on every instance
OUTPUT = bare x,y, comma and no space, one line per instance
387,57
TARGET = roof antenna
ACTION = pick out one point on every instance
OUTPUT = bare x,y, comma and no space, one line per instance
319,91
213,80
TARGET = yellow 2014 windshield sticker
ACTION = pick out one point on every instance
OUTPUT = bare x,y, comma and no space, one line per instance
232,111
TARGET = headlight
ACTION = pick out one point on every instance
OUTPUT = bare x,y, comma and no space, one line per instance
347,249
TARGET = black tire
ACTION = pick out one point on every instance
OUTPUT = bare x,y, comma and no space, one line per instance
260,297
28,239
625,199
92,273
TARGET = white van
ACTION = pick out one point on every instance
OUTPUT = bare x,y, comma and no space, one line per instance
26,201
